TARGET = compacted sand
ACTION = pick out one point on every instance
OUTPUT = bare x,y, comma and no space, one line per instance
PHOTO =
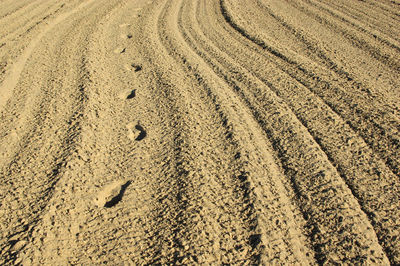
199,132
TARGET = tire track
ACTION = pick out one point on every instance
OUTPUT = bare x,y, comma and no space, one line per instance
382,130
33,208
264,255
339,157
197,38
11,80
13,9
11,41
387,59
25,20
336,66
170,132
75,229
52,154
388,41
228,182
387,6
358,13
356,163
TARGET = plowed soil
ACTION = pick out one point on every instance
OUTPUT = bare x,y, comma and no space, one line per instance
199,132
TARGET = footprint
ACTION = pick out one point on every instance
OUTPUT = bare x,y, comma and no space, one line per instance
127,94
136,132
119,50
124,25
131,95
126,36
112,194
133,67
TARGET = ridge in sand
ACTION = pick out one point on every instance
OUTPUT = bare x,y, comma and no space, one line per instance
203,132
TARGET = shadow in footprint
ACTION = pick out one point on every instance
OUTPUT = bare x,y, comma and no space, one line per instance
131,95
136,68
126,36
133,67
255,240
115,200
119,50
142,133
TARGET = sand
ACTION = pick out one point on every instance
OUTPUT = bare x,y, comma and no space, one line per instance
199,132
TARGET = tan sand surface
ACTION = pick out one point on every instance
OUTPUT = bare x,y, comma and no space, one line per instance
199,132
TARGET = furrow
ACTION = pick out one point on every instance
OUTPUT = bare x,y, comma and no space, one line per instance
388,59
42,192
381,131
22,24
390,7
357,164
12,78
9,9
33,187
349,153
357,12
213,57
387,40
199,132
319,40
229,182
268,241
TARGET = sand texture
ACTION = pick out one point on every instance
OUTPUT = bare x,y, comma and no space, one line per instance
199,132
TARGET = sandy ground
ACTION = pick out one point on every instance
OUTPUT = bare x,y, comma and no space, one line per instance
199,132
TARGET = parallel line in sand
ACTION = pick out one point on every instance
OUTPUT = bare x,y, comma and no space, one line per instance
359,43
12,78
23,24
163,38
267,232
194,37
329,153
345,21
24,5
292,97
326,104
355,12
385,229
248,157
353,110
67,150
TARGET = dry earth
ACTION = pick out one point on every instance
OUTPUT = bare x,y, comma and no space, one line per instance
200,132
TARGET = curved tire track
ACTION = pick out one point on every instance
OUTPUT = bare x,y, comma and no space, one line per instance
198,132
